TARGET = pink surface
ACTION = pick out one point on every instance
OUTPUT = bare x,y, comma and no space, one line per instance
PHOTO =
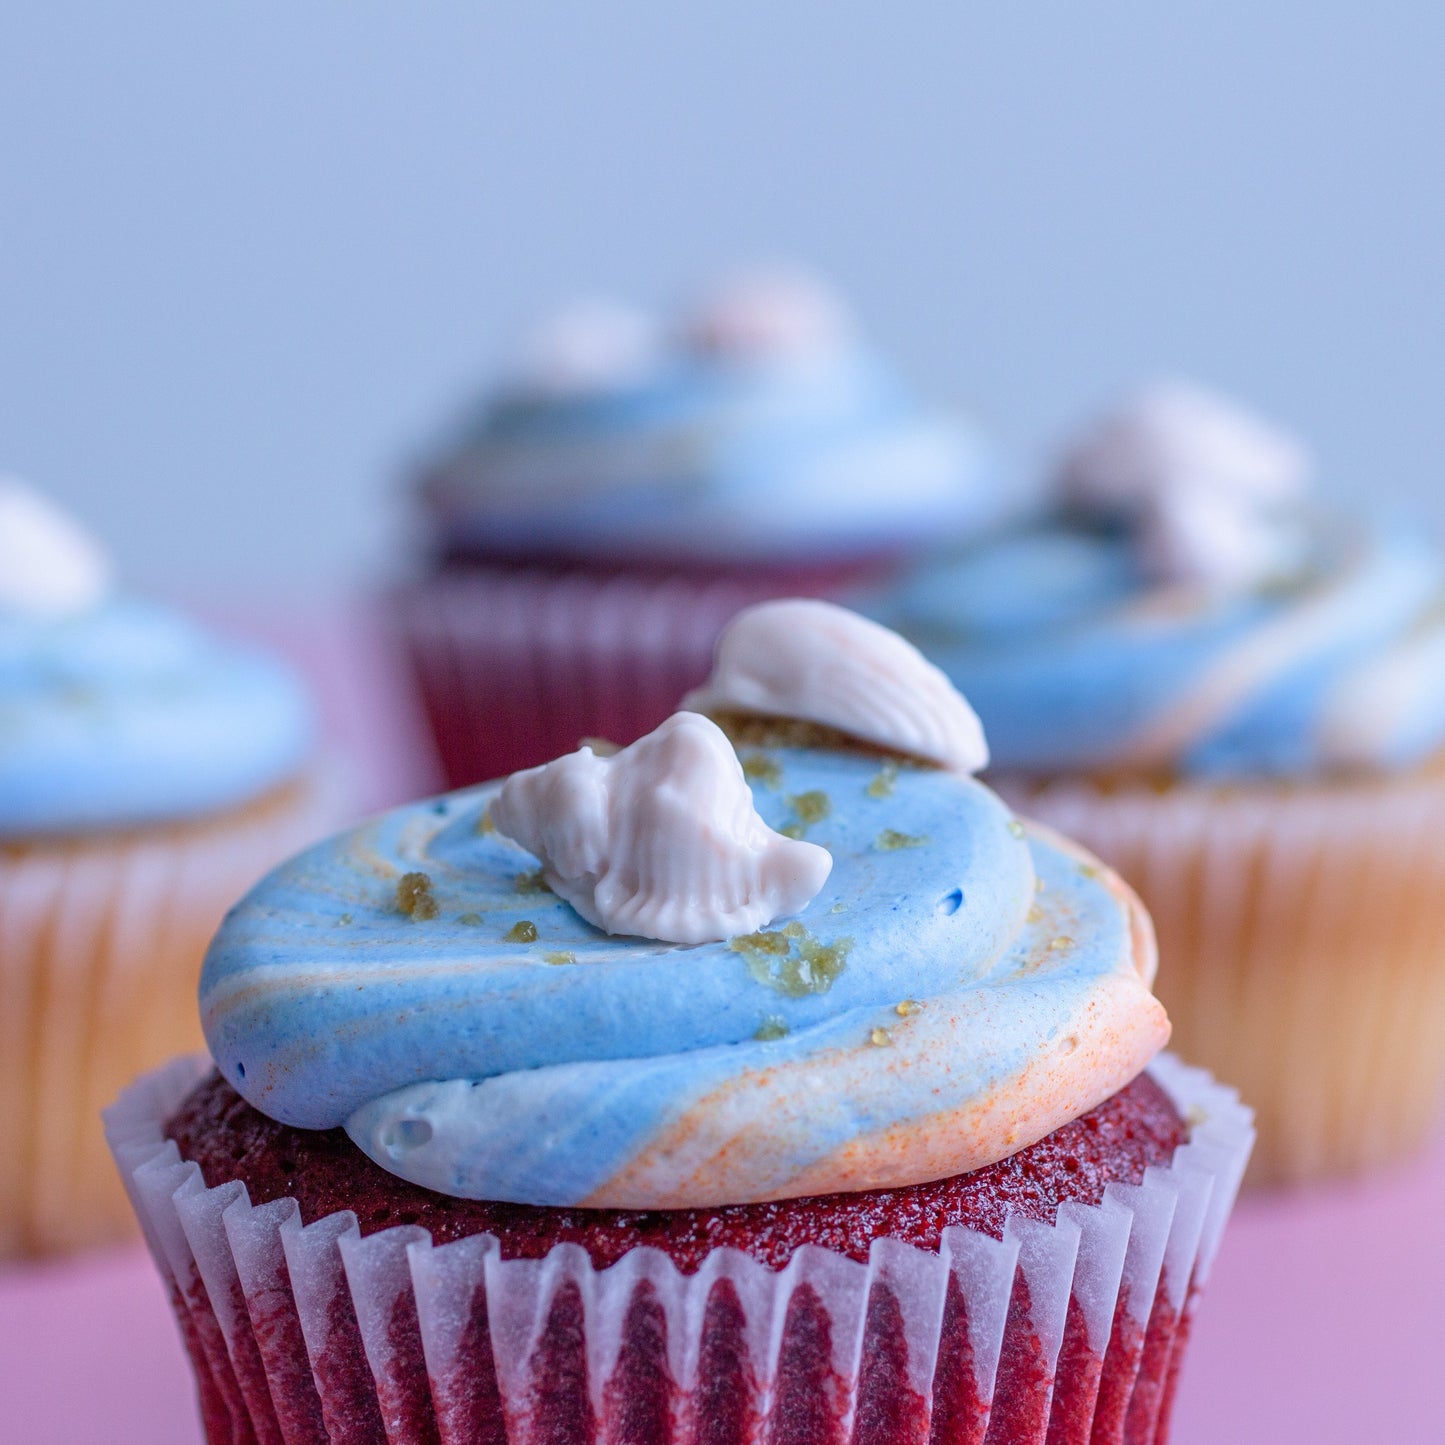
1322,1324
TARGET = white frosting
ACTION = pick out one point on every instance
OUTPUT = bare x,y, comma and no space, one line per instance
821,663
594,345
49,566
1202,481
661,840
769,314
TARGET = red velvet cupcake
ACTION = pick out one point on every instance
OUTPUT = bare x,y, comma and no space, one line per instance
737,1135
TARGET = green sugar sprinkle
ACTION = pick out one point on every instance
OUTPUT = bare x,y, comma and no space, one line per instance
771,1028
882,784
760,768
343,920
557,957
472,920
414,897
890,840
1016,828
523,932
791,961
532,882
811,807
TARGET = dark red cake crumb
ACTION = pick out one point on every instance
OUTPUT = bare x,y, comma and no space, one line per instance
324,1171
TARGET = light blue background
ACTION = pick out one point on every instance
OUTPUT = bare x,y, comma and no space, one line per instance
250,252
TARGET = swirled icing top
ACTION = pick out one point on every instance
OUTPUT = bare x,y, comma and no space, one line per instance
1200,618
758,426
115,712
956,987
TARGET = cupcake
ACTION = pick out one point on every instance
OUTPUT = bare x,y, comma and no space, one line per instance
148,774
629,485
1236,698
764,1080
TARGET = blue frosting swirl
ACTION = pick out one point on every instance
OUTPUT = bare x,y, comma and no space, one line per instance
128,714
706,459
413,977
1076,661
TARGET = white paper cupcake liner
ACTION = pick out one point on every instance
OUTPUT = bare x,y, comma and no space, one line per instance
516,665
101,941
1055,1334
1302,945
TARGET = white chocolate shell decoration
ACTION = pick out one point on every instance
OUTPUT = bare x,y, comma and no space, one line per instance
591,346
817,662
660,840
49,566
773,314
1205,485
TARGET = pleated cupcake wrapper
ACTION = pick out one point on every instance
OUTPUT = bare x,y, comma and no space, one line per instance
515,666
1056,1333
101,941
1302,948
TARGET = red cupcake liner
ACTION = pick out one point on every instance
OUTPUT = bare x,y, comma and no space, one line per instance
1056,1334
516,664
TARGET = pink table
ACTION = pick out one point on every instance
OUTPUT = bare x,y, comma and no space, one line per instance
1323,1324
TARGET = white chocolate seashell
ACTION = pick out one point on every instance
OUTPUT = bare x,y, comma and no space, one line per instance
49,566
1175,439
1202,482
821,663
1211,542
660,840
769,314
590,346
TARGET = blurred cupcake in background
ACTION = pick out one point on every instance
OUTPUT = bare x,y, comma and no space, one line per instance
147,774
1236,698
632,483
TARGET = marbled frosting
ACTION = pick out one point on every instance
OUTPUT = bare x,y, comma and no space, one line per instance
1075,661
124,713
758,427
960,986
1182,609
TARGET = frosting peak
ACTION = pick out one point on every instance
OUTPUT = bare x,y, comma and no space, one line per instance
821,663
660,840
49,566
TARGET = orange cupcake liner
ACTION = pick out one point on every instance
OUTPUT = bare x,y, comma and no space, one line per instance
1301,944
101,942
